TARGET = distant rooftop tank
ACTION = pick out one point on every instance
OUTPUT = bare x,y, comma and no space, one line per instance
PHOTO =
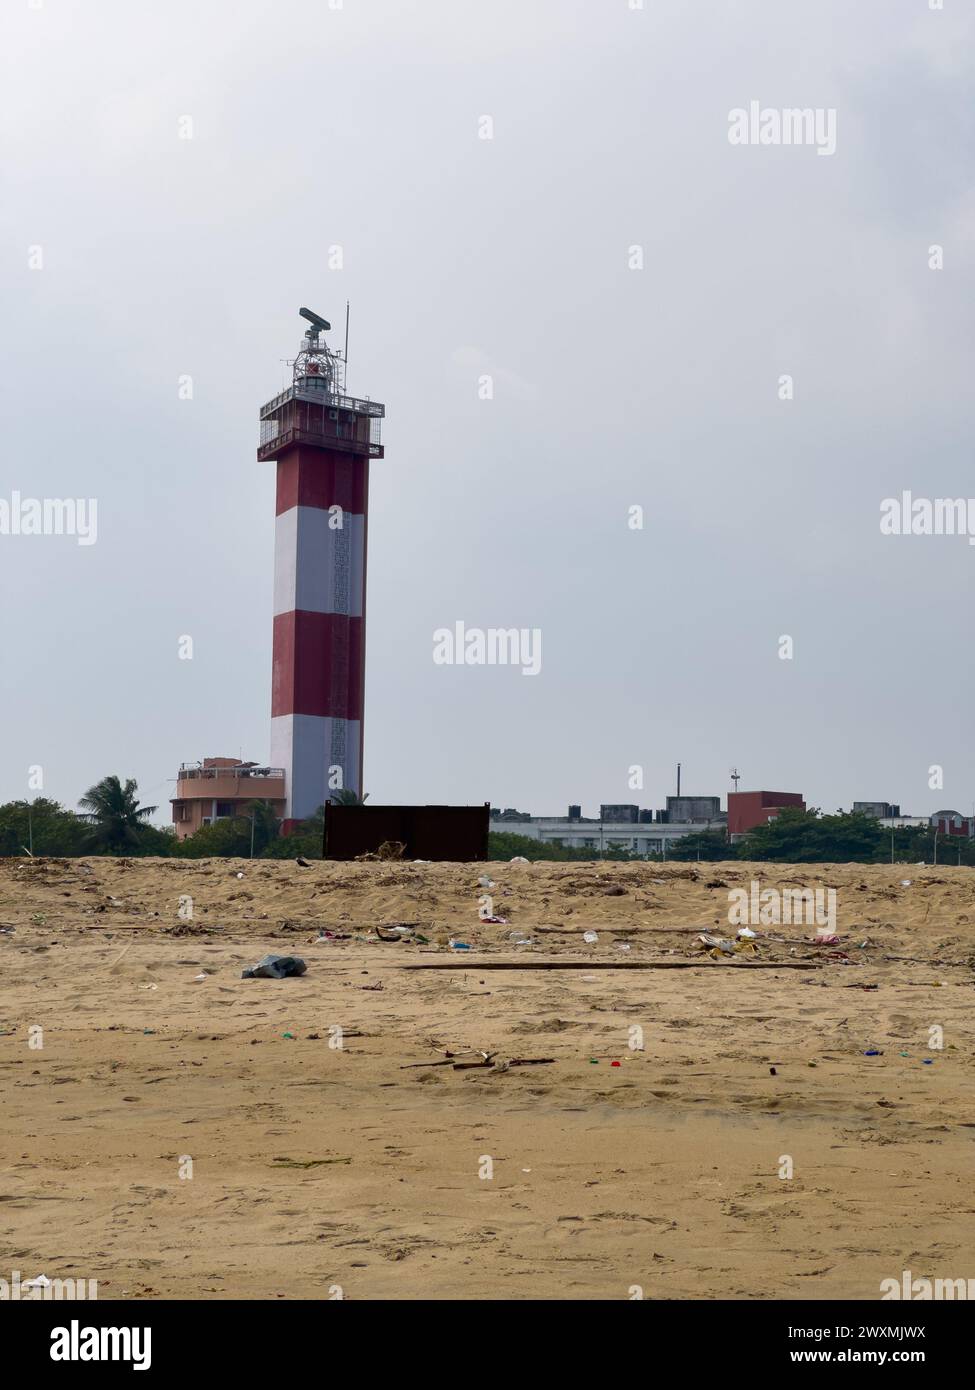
693,808
881,810
620,814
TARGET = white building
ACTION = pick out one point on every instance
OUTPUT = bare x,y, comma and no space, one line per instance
639,837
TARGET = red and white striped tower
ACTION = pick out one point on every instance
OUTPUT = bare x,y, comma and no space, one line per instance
322,440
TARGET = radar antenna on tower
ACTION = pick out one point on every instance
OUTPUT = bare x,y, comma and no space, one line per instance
316,365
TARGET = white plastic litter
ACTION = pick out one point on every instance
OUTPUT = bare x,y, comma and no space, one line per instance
590,937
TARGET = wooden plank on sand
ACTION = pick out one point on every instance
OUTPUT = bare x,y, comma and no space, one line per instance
475,965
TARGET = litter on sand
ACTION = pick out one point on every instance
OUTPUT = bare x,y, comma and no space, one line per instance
717,946
275,968
390,933
487,1060
717,943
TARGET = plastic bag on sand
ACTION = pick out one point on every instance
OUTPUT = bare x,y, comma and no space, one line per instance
275,968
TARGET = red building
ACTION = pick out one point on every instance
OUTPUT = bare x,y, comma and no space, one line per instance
954,823
748,809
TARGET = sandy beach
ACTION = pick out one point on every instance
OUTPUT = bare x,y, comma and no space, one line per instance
175,1136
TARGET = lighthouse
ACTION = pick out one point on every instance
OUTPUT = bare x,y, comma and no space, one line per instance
322,441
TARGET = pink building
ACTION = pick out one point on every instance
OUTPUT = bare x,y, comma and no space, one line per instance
219,787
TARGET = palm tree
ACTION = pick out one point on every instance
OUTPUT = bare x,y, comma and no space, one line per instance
347,797
114,814
264,824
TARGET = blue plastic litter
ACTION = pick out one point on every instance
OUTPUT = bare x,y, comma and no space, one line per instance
275,968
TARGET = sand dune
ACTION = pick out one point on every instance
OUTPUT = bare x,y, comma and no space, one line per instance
319,1169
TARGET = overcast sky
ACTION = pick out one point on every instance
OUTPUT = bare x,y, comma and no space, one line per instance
163,257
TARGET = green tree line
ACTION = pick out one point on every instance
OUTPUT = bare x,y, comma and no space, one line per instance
111,821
